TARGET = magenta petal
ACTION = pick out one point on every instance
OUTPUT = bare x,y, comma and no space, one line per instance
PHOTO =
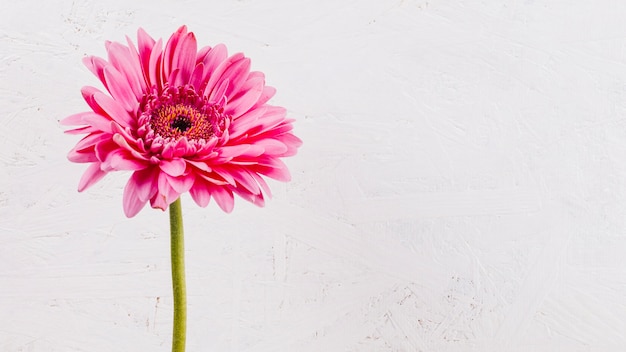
218,95
166,189
147,181
131,202
278,173
262,183
171,50
214,58
226,175
224,198
90,140
174,167
96,65
113,109
138,68
128,66
87,156
268,93
256,199
159,202
272,146
102,123
215,76
237,74
215,179
122,160
175,78
92,175
120,89
82,130
241,103
229,152
76,119
200,193
202,53
244,179
196,77
185,57
145,43
154,73
181,184
122,142
200,165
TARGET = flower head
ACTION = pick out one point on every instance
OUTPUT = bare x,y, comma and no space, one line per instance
182,120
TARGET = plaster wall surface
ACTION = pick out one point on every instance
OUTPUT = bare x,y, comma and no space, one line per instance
461,186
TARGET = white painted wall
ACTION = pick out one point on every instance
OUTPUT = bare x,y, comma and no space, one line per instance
461,186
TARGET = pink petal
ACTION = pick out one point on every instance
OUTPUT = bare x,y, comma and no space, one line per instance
224,198
256,199
243,178
214,58
128,65
262,183
82,130
92,175
213,179
76,119
218,96
196,77
200,193
268,93
122,142
292,142
146,182
153,71
236,74
181,184
215,77
141,186
202,53
96,65
166,192
122,160
145,43
120,89
226,175
175,79
113,109
272,146
200,165
251,92
100,122
159,202
277,173
228,152
171,50
134,56
174,167
185,57
84,156
91,140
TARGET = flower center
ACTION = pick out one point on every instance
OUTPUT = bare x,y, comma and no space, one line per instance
179,112
178,120
181,123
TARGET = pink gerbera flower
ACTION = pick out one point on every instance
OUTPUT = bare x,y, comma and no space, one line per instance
181,119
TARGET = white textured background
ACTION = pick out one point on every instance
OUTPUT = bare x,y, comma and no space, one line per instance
461,186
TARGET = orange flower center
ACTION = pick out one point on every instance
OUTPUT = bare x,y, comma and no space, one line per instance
179,112
176,121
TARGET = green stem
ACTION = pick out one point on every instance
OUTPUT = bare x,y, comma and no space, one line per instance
178,277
